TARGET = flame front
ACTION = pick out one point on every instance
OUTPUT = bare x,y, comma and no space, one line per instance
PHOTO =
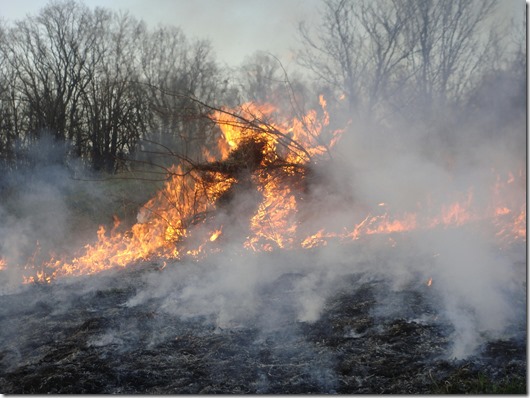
274,159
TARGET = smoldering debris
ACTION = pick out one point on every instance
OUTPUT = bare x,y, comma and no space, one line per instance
299,326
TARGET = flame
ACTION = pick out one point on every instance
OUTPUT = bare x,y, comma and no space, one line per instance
215,235
502,211
318,239
273,158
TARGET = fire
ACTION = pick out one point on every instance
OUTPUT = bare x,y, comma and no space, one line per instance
215,235
501,211
456,214
273,159
318,239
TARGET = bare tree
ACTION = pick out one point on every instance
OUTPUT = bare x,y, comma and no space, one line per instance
9,114
83,75
334,52
171,64
451,47
261,77
385,46
49,52
393,52
115,105
359,47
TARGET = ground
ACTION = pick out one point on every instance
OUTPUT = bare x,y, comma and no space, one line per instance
105,334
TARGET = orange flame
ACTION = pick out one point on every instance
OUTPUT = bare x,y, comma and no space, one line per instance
215,235
174,223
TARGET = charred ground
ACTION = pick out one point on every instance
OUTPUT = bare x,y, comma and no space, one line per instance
86,336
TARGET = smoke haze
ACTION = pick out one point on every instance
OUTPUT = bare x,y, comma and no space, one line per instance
392,166
478,286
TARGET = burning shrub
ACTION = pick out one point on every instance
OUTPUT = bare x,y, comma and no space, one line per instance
267,186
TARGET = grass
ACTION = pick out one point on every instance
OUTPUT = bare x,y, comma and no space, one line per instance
462,382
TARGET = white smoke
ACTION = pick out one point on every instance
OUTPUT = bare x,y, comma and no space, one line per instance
400,166
479,285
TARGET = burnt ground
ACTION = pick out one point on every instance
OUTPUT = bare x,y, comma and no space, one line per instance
80,336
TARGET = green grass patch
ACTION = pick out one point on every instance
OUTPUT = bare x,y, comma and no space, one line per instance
463,382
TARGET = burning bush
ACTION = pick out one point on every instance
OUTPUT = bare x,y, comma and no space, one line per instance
266,186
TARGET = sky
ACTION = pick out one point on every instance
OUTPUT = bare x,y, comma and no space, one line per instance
236,28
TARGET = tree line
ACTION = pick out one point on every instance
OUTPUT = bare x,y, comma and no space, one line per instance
102,84
74,73
405,55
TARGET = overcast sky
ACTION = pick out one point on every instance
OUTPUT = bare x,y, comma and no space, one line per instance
236,28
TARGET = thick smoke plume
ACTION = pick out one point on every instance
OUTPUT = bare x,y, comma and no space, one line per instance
369,239
411,168
478,284
375,168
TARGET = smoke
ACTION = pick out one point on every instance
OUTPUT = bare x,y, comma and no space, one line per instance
234,289
34,215
417,168
49,208
478,286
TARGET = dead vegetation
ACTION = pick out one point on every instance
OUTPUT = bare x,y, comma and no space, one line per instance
77,338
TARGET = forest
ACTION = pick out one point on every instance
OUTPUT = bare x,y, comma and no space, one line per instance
105,89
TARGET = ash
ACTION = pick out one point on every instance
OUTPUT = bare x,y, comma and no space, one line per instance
116,333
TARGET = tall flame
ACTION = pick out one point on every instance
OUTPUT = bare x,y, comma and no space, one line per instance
275,157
